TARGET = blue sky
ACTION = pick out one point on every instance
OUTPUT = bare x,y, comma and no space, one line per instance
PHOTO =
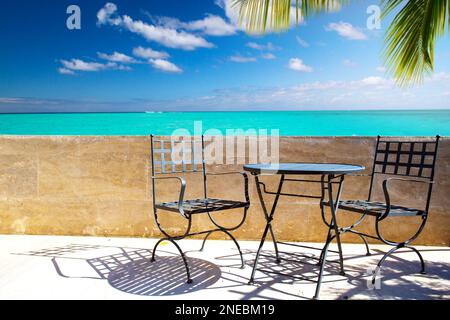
191,55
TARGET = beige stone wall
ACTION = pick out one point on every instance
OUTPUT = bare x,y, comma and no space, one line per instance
101,186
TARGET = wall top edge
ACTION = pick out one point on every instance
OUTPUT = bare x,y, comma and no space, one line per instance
148,136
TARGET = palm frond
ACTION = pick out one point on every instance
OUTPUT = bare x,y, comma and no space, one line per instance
409,42
410,39
260,16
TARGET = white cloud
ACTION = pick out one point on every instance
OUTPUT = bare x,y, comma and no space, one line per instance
122,68
212,25
441,76
340,97
346,30
381,69
376,82
69,66
105,13
168,37
262,47
231,11
369,92
11,100
373,82
349,63
165,66
158,59
256,46
28,101
241,59
268,56
80,65
148,53
297,64
65,71
302,42
116,57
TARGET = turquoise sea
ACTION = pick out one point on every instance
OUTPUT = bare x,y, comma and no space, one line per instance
289,123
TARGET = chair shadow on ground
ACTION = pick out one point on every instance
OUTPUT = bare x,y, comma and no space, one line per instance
164,277
400,278
295,268
131,271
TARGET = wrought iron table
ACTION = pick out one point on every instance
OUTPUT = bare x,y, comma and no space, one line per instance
331,174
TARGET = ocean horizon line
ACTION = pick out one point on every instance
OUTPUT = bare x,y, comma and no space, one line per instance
231,111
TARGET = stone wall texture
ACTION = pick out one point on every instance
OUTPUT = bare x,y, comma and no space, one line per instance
101,186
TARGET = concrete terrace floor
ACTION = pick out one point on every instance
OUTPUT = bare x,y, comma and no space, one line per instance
55,267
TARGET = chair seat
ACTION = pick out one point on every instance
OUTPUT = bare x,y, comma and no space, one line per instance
202,205
376,208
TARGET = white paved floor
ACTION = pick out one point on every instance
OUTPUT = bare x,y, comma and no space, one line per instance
52,267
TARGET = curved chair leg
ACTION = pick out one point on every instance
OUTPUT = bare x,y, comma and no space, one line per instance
377,269
390,252
237,245
365,242
422,262
232,238
189,280
204,240
329,240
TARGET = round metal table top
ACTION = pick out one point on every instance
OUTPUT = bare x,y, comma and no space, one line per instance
303,168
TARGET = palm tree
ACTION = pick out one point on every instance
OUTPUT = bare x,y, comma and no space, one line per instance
409,41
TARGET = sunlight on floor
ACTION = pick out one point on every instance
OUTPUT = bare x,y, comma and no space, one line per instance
53,267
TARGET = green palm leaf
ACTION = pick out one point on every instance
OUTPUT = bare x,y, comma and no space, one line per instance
259,16
410,39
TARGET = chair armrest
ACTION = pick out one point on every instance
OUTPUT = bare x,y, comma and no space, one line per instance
359,175
386,192
182,190
244,175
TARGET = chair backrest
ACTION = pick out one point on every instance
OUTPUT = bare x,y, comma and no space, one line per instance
177,155
413,159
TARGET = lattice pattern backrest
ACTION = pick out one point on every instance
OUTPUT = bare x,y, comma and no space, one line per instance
406,158
177,155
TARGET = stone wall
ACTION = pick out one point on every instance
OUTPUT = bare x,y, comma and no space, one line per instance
101,186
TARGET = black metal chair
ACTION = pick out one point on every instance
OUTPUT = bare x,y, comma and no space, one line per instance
405,161
184,155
